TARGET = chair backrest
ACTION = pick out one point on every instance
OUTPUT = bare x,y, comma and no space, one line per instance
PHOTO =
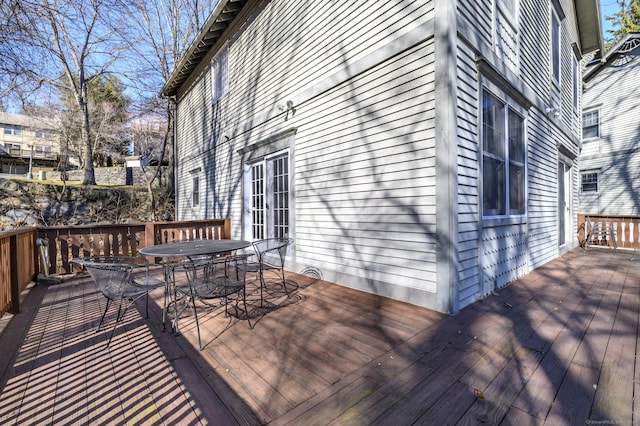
112,274
197,269
272,251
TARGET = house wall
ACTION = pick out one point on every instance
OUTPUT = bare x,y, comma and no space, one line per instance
615,155
363,156
363,134
495,252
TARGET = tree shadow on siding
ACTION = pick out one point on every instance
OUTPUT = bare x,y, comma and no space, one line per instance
365,207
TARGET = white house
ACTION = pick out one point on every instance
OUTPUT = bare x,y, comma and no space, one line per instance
610,156
422,150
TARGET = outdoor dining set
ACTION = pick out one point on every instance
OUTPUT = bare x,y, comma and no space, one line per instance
210,272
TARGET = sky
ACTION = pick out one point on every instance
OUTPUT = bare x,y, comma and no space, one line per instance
607,8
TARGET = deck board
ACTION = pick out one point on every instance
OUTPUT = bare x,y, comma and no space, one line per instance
559,346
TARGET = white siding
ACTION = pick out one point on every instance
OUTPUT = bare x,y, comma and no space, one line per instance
502,251
535,45
292,45
479,16
365,176
615,91
468,173
543,190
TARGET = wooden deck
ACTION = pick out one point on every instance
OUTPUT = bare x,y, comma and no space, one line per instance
557,347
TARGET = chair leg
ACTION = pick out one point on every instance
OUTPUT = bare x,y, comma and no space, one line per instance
246,310
169,283
284,284
174,324
195,316
118,317
262,286
106,308
192,302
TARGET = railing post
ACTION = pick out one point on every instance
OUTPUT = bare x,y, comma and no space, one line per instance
15,284
149,234
227,229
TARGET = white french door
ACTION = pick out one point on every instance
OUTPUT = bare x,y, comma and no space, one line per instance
267,199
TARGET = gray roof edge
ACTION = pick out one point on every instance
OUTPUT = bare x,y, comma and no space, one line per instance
177,69
590,72
32,122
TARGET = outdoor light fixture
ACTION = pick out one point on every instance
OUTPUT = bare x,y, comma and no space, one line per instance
553,110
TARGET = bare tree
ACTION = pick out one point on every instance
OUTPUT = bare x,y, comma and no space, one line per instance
148,133
62,44
163,31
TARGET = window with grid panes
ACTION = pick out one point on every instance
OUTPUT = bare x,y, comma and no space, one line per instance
195,191
591,125
503,158
589,182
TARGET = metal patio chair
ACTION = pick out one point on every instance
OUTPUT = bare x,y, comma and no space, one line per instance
271,255
116,278
206,283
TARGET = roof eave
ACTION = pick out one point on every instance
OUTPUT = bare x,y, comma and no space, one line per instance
589,26
211,31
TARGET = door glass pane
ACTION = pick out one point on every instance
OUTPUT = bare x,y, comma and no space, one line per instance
280,167
257,201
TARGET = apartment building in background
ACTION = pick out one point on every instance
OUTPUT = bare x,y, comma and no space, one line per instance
28,142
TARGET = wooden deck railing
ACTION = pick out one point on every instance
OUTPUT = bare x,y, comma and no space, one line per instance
19,252
604,228
18,266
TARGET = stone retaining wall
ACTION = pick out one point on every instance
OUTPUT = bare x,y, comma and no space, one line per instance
30,203
115,176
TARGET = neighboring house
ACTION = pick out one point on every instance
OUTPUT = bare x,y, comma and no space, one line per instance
421,150
610,156
25,139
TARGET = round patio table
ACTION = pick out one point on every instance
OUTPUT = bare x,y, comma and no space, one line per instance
194,248
189,249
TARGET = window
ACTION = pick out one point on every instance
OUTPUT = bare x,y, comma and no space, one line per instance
591,125
12,130
42,134
220,75
589,182
503,158
195,191
555,46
